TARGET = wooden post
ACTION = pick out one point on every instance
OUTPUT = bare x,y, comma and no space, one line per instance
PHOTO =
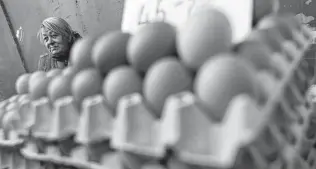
17,44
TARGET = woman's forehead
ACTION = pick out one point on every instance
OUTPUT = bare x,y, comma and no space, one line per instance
46,31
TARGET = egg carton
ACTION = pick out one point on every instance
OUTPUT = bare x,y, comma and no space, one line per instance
171,129
130,146
38,122
94,108
10,143
134,122
137,133
8,109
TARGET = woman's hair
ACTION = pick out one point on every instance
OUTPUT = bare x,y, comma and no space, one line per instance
59,26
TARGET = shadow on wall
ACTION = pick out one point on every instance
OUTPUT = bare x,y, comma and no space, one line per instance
85,16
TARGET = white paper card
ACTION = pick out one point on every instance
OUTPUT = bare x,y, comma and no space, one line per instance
176,12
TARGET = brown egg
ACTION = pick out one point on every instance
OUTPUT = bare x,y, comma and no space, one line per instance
59,87
21,84
110,51
70,71
206,33
37,79
275,21
166,77
36,75
80,54
220,79
53,72
257,53
153,166
150,43
86,83
121,81
271,37
38,87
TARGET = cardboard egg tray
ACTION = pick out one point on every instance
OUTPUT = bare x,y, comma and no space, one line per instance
276,134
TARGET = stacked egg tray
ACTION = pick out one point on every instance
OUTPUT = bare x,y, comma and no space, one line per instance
278,134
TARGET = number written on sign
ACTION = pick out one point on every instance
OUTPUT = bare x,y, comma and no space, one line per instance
151,11
175,11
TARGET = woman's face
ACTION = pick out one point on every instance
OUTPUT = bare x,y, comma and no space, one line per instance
55,43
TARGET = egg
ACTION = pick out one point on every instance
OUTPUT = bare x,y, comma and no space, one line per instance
272,38
70,71
121,81
36,75
206,33
150,43
257,53
275,21
21,84
59,87
80,53
153,166
174,163
110,51
34,79
38,87
219,80
165,77
86,83
53,72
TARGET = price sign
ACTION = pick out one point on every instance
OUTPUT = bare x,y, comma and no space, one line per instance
176,12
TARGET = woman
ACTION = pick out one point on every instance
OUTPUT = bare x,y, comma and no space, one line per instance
58,37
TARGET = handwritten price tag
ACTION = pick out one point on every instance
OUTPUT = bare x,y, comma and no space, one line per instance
176,12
